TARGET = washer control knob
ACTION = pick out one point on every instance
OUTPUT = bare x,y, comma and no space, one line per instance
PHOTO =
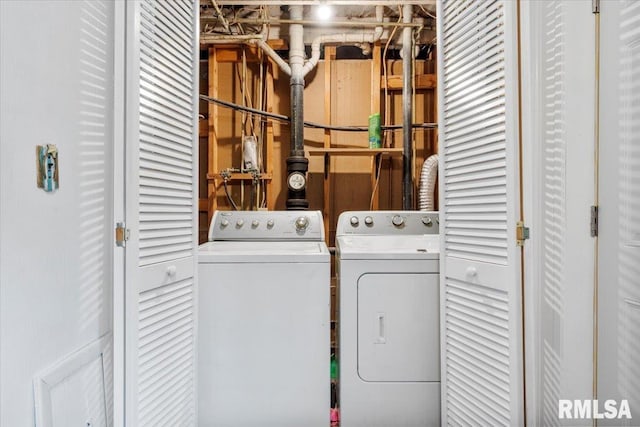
239,223
302,223
270,223
354,221
368,220
427,221
397,220
255,223
224,223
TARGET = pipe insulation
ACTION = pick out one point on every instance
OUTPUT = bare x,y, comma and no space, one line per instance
407,108
426,193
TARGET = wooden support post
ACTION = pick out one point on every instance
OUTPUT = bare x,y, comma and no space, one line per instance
329,57
269,136
376,72
212,146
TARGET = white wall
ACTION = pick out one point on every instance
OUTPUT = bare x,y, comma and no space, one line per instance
558,137
56,87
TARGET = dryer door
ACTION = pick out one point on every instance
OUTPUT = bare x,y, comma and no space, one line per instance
398,327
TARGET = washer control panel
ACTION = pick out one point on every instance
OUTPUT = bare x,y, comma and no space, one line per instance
267,225
388,223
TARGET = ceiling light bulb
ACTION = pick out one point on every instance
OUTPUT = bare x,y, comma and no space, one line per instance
324,12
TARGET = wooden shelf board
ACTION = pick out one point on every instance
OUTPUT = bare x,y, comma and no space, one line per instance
423,81
237,176
336,151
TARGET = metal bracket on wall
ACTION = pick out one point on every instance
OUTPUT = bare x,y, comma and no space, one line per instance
122,234
594,221
522,233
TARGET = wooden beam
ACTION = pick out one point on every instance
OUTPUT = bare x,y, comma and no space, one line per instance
268,166
239,176
329,58
423,81
203,130
353,151
212,146
278,44
233,52
376,77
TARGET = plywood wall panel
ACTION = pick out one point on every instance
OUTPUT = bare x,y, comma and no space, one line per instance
350,105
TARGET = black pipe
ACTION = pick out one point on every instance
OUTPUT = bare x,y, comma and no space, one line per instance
297,115
297,163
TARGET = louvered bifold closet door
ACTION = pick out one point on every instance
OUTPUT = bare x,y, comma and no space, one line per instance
161,208
481,310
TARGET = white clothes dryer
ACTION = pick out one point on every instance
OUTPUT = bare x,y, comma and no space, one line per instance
389,345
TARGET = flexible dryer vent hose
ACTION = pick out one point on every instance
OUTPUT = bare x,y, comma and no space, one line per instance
428,183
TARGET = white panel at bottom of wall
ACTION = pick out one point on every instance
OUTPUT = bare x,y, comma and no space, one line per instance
73,392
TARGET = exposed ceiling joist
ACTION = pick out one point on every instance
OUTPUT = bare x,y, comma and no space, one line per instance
317,2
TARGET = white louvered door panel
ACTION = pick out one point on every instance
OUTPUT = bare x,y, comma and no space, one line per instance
482,373
619,222
161,208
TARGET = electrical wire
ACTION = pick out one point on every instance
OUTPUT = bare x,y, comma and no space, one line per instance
286,119
387,111
225,23
375,186
426,12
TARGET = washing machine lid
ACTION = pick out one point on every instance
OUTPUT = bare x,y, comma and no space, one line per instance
389,247
273,252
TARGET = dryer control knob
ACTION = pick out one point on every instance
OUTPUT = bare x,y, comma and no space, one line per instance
368,220
354,221
397,220
224,223
427,221
239,223
302,223
270,223
255,223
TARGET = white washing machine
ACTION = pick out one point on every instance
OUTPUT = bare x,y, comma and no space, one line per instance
263,332
387,267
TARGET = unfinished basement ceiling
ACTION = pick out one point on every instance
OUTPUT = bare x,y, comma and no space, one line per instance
220,17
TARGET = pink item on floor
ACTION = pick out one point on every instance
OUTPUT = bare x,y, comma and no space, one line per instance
335,415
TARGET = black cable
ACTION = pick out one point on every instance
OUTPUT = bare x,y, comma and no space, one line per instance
313,125
226,191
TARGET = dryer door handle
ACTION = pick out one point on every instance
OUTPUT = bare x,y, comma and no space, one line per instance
381,327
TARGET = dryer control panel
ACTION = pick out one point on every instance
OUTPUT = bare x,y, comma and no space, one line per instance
267,226
377,223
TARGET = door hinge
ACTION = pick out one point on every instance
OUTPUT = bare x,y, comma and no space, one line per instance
595,6
122,234
522,233
594,221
